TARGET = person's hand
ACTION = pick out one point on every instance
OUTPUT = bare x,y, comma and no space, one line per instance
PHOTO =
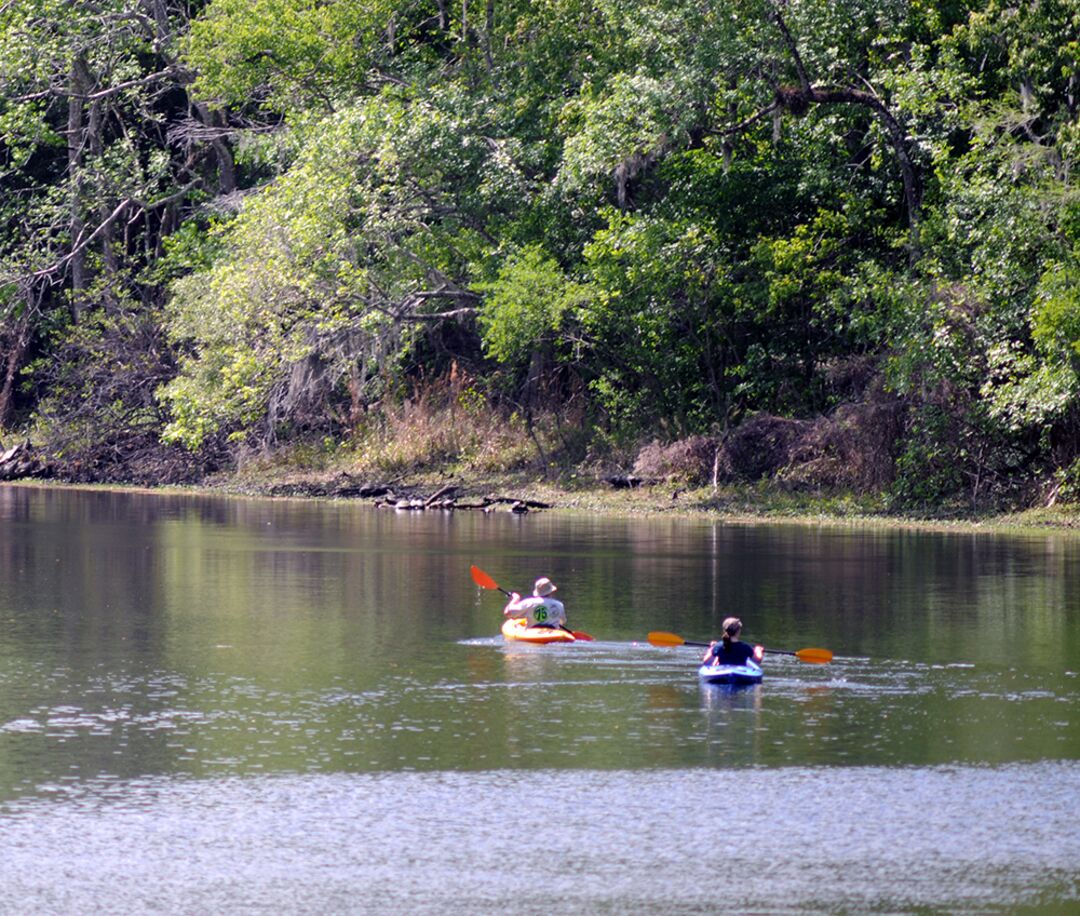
759,653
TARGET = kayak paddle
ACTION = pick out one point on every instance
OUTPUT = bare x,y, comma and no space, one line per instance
482,579
811,656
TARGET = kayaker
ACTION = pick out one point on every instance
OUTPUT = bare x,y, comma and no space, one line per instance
538,609
729,650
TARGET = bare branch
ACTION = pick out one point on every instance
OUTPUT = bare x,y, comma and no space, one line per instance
438,316
743,125
798,99
85,240
793,49
182,76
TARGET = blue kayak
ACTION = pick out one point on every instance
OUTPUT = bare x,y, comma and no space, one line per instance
730,674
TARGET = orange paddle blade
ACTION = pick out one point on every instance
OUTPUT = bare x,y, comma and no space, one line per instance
813,656
482,579
660,638
584,637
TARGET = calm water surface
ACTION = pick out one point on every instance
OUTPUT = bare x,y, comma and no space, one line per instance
221,705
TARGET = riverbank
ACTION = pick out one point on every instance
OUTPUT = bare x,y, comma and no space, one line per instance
578,493
734,504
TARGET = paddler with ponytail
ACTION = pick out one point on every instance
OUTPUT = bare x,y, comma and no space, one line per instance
729,651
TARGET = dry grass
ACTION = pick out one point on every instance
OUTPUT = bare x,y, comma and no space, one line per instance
444,425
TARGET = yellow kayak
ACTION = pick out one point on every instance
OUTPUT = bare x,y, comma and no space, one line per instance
517,629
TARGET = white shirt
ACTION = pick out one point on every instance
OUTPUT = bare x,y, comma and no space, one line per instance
536,610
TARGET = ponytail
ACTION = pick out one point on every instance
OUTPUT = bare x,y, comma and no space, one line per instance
732,627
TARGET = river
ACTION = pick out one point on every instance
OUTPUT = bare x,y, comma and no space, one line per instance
212,704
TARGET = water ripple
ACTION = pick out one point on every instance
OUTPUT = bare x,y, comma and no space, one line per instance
828,840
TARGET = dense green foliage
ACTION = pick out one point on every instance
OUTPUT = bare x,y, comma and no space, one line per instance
671,217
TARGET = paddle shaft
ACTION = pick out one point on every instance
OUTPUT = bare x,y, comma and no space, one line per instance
811,656
705,645
767,650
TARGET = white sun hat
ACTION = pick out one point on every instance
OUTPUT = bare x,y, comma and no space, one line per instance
543,587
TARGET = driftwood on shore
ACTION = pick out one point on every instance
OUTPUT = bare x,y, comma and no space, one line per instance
398,495
624,481
443,499
19,461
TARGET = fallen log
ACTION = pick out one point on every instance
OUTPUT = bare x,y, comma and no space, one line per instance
363,491
19,461
624,481
531,503
448,490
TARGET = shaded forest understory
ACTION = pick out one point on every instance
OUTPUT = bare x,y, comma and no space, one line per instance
832,246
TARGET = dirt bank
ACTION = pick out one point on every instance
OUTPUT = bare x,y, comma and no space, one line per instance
613,497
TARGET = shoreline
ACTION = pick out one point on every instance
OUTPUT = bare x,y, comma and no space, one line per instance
735,505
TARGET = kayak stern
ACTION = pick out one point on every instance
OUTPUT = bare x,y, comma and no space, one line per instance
731,674
517,630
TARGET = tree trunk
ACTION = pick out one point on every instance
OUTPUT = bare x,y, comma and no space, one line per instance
226,164
489,30
75,138
797,100
18,339
156,8
106,220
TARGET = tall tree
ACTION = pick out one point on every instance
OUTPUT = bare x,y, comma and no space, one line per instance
88,95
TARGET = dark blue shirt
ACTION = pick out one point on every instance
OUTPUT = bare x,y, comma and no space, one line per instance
735,654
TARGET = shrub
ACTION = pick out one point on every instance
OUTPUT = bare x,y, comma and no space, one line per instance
688,461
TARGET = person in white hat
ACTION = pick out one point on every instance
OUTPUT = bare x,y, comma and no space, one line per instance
539,610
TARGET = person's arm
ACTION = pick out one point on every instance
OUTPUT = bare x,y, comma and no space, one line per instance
512,609
560,611
709,653
759,653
